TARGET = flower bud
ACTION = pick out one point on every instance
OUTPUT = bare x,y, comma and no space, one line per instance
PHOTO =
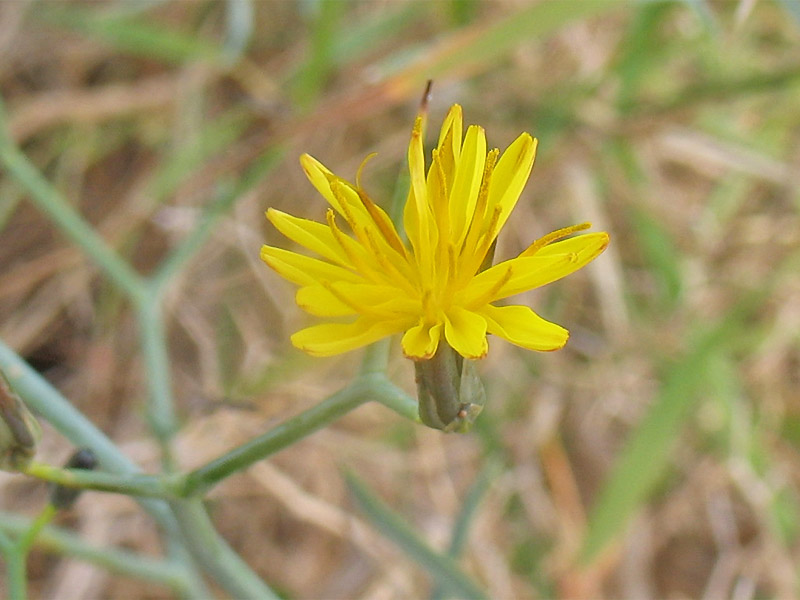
19,430
450,393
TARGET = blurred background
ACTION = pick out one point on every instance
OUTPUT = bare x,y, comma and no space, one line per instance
655,456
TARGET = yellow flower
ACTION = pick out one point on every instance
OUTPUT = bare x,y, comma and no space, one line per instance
433,286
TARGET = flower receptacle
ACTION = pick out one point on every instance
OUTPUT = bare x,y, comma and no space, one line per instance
19,430
450,393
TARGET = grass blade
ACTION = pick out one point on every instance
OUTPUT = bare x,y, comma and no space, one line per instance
442,568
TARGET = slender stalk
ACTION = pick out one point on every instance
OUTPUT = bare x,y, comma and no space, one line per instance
69,222
442,568
178,258
47,401
43,398
149,486
466,515
6,543
367,387
285,434
214,554
26,539
391,396
16,554
160,407
16,577
54,539
376,357
11,556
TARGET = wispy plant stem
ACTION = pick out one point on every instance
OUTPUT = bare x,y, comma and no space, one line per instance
169,573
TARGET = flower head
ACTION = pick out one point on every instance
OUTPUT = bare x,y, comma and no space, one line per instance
435,286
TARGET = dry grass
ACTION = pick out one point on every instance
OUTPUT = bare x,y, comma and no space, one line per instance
696,182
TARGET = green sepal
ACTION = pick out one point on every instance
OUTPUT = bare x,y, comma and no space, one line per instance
450,392
19,430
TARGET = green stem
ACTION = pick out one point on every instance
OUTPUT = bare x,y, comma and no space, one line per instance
173,486
50,202
367,387
122,562
376,357
47,401
285,434
16,554
177,259
391,396
16,577
151,486
466,515
442,568
26,540
6,543
12,559
214,555
160,407
44,399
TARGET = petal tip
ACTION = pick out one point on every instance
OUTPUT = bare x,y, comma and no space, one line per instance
560,345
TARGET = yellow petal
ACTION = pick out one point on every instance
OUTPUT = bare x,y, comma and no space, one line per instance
329,339
320,177
320,301
353,209
417,214
309,234
382,300
304,270
454,125
466,332
420,342
447,154
528,272
510,277
575,253
469,172
343,298
510,176
585,247
523,327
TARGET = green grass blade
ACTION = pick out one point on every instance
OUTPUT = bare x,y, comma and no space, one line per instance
442,568
310,79
468,511
240,21
495,40
641,50
646,453
132,34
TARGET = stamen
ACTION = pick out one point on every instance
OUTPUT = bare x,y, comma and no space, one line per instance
361,168
340,237
381,221
347,211
552,237
390,273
